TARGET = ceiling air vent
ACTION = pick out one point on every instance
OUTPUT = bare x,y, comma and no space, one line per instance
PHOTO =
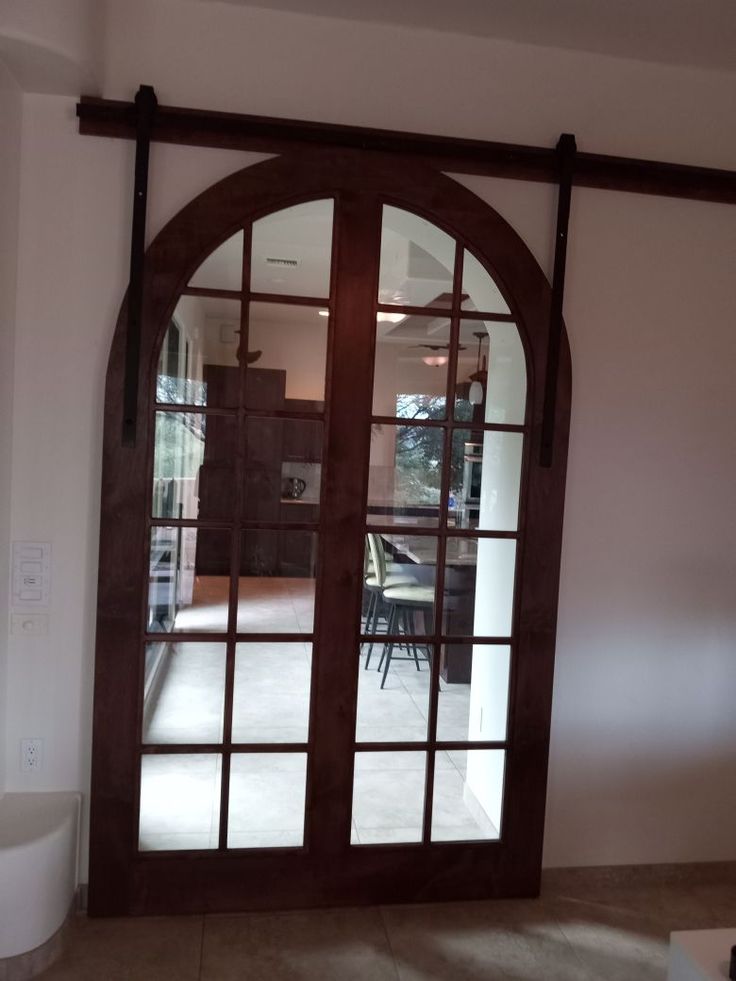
275,261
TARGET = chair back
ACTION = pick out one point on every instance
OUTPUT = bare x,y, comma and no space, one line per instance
379,557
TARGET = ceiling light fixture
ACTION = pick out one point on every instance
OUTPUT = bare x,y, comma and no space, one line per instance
323,313
476,393
435,360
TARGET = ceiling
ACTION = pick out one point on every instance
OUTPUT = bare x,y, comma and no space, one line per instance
698,33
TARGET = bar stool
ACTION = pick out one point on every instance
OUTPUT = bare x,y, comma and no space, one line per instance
377,583
404,600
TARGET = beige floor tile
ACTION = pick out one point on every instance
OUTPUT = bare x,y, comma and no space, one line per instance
513,941
135,949
614,945
324,945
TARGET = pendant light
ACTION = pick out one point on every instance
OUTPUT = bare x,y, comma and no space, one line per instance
476,393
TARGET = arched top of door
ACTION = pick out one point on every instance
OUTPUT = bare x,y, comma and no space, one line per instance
281,182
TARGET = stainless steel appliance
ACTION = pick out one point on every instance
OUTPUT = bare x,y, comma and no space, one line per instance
472,470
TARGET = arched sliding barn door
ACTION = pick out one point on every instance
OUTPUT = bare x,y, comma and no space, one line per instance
329,565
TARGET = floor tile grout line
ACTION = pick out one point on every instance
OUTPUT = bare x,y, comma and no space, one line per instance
391,951
597,976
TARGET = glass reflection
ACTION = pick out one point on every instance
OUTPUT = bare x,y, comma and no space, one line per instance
398,712
287,354
479,290
473,699
267,794
405,475
277,582
292,251
223,268
184,693
417,261
410,378
479,587
468,795
271,695
491,374
188,580
180,801
198,364
486,479
388,797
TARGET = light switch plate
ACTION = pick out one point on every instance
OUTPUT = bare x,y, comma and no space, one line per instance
31,574
30,624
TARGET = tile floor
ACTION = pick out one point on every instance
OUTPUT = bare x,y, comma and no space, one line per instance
588,925
180,795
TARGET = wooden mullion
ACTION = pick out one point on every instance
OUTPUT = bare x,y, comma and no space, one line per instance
434,681
190,409
179,749
275,638
236,547
294,414
496,318
428,531
493,427
211,524
289,299
217,294
414,311
422,745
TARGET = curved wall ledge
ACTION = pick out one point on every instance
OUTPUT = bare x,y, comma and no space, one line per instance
53,46
39,846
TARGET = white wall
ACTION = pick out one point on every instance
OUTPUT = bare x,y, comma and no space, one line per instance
643,733
11,110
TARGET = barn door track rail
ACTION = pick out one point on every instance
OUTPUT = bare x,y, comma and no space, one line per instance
144,120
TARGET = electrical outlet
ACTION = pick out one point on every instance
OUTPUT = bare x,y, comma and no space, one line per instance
31,755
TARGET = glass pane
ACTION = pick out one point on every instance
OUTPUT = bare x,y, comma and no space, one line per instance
223,268
473,700
479,290
198,364
388,797
417,261
282,470
188,580
184,693
194,465
398,712
405,475
180,801
277,578
177,458
410,378
486,479
292,251
468,796
404,569
272,688
491,381
267,793
287,353
479,587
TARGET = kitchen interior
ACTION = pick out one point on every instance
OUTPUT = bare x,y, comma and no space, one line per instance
190,568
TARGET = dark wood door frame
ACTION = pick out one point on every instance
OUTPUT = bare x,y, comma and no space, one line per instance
327,871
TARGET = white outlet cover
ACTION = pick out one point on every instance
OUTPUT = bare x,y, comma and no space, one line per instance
31,755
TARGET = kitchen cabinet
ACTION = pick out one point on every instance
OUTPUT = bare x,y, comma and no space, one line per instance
303,437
